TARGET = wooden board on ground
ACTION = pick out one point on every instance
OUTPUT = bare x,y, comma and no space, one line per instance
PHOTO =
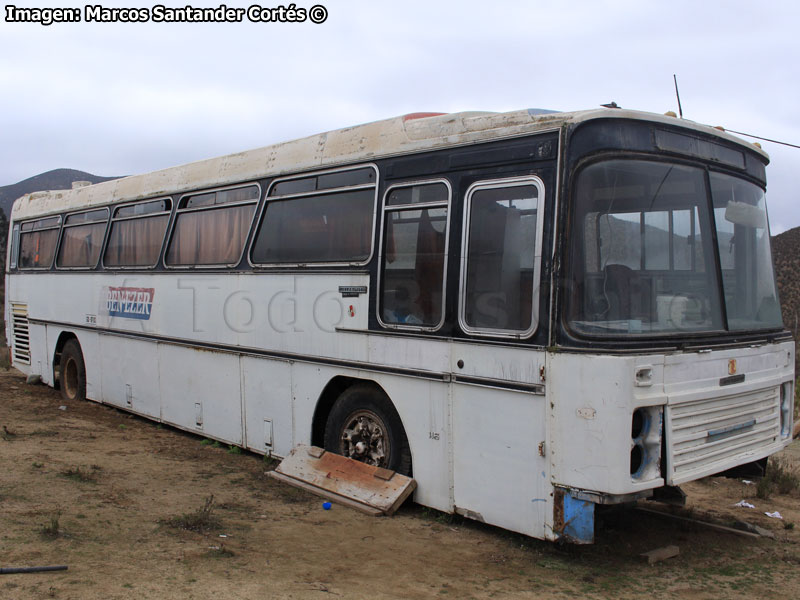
660,554
367,488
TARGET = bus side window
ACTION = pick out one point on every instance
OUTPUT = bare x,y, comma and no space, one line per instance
501,257
318,218
37,243
137,234
14,247
82,239
333,228
211,227
413,255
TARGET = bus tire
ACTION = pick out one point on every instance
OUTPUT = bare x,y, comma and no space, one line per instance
364,425
72,375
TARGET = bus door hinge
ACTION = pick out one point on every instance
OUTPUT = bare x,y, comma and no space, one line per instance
541,374
542,449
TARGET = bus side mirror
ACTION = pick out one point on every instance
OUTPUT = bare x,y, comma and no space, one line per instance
741,213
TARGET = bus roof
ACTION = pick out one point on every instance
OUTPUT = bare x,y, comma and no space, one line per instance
415,132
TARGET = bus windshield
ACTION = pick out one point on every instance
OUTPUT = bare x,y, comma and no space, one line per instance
644,259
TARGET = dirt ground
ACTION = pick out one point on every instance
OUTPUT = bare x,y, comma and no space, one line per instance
108,494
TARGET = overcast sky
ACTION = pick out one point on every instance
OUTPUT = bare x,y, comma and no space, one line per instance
115,99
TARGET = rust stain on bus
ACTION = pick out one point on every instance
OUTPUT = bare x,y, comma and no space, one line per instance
558,512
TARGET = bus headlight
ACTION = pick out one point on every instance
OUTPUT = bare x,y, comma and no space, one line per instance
787,408
646,427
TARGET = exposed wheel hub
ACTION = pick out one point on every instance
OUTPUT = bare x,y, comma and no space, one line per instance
365,438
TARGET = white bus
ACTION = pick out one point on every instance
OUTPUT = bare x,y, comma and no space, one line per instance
533,313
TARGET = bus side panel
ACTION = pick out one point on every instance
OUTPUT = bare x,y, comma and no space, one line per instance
130,375
592,400
307,383
280,311
423,409
38,348
89,345
267,391
7,310
53,333
499,476
423,406
201,391
24,292
90,348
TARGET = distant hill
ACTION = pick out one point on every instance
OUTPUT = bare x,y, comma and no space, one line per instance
786,254
57,179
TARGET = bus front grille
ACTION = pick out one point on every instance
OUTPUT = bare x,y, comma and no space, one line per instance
20,333
711,435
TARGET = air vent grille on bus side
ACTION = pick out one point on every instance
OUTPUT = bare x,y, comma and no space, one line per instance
20,333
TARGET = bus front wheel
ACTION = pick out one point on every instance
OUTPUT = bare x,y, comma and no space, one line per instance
364,425
73,372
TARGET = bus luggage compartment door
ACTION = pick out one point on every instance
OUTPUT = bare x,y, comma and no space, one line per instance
499,476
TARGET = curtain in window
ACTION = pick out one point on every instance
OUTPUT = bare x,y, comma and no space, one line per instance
36,249
210,237
135,242
429,271
80,246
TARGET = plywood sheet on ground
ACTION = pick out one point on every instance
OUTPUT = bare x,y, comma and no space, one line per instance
371,489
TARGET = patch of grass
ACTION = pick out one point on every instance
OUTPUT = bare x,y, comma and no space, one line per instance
37,465
200,521
743,574
216,444
763,489
45,432
83,474
269,461
122,426
553,563
788,525
220,552
206,442
779,478
51,529
234,449
617,582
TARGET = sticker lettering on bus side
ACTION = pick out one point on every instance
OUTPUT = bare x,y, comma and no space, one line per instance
130,303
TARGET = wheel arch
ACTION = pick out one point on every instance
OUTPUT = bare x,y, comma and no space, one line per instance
63,338
335,388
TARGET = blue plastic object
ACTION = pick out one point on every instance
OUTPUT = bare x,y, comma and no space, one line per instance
326,505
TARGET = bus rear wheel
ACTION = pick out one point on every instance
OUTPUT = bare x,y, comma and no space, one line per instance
72,377
364,425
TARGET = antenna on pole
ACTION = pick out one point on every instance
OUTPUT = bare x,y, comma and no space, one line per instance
680,109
